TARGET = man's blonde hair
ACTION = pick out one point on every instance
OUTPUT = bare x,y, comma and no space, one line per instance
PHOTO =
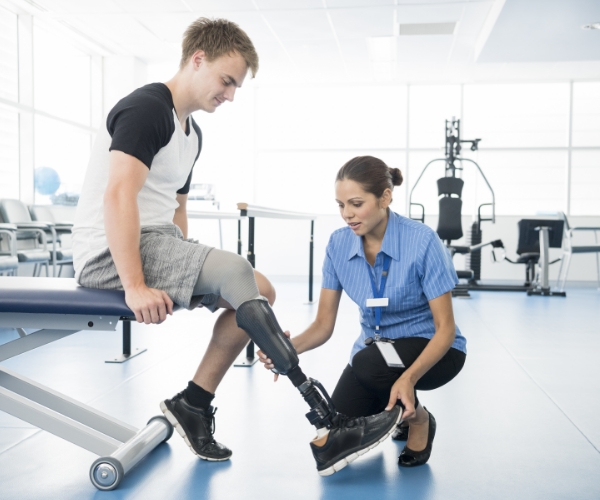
218,37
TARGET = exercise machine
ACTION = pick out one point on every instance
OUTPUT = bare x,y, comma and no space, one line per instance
450,225
450,211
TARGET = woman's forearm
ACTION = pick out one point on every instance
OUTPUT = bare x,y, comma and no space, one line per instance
314,336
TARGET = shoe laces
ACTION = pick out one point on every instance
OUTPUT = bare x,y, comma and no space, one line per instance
344,421
209,420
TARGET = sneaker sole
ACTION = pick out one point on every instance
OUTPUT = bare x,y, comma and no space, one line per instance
340,464
177,426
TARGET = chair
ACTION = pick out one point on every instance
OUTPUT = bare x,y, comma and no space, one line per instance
570,249
60,255
9,262
15,212
450,223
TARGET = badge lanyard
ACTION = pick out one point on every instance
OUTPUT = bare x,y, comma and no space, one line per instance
378,294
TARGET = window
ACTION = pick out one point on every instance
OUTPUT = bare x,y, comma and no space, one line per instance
9,118
430,107
585,182
586,114
517,115
65,149
61,77
9,153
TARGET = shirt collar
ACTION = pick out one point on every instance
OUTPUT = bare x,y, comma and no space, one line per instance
389,246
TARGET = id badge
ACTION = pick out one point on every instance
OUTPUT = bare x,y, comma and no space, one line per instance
389,354
382,302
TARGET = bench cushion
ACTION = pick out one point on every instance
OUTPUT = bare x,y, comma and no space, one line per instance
59,296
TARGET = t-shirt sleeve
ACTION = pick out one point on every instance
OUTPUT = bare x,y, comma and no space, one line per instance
437,270
330,277
140,127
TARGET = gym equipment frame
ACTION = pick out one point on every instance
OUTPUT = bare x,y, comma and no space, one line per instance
450,225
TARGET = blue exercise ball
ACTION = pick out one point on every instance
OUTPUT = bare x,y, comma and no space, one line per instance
46,181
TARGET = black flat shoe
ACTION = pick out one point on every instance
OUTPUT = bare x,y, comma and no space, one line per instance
400,433
411,458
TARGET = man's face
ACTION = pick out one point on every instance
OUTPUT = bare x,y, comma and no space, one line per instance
215,82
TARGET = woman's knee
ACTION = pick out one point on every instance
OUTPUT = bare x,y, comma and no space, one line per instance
265,287
370,368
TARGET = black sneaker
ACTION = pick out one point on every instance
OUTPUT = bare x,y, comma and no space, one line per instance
352,437
196,426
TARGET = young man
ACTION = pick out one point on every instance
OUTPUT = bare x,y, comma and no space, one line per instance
130,234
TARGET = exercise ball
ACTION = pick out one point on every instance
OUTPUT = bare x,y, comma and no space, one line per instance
46,180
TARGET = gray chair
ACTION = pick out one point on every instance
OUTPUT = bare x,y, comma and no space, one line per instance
60,255
570,248
15,212
9,262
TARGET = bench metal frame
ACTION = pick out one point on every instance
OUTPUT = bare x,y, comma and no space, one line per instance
119,445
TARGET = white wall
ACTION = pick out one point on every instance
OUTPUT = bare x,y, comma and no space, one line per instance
280,146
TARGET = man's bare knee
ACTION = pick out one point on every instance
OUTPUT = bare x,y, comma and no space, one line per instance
265,288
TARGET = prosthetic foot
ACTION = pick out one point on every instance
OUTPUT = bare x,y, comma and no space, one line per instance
340,439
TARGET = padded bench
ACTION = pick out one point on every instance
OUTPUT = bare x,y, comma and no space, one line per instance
58,307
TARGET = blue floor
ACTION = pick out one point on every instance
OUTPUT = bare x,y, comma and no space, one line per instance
520,421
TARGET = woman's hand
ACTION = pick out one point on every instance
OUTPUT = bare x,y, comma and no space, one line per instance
403,390
262,357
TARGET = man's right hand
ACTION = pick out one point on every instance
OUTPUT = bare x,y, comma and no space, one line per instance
149,305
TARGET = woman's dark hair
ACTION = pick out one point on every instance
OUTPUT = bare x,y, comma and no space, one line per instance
371,173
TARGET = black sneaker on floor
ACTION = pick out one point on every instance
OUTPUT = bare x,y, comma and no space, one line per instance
352,437
196,426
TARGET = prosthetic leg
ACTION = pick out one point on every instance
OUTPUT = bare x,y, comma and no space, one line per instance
257,319
340,439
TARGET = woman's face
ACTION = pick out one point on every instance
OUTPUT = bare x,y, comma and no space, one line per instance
361,210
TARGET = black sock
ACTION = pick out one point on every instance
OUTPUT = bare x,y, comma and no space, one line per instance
197,396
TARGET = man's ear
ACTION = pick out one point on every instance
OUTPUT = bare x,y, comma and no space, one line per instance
198,58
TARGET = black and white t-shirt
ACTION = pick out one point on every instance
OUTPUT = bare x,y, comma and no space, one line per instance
144,125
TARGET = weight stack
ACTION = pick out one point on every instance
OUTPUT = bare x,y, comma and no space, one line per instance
473,259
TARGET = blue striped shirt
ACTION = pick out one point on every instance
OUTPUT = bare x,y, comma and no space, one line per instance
421,270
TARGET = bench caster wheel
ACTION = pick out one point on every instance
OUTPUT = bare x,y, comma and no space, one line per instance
106,473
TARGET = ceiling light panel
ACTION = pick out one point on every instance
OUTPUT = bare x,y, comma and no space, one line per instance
289,4
300,24
209,6
362,23
417,29
428,13
79,6
358,3
147,6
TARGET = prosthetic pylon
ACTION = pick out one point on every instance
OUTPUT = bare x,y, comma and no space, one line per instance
257,319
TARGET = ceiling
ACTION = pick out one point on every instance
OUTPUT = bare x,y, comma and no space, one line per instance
329,41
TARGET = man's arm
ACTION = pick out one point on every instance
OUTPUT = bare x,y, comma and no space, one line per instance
180,218
126,178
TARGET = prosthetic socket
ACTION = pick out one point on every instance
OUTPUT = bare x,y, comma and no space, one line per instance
257,319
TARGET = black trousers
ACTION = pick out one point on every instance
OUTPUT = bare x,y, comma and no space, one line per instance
364,388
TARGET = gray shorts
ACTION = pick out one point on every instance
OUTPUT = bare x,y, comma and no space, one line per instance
169,262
